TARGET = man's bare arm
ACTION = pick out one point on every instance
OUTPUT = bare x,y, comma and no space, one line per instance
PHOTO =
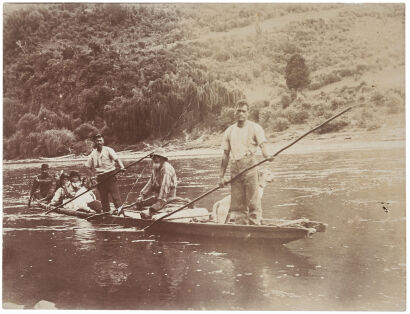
224,165
265,153
120,164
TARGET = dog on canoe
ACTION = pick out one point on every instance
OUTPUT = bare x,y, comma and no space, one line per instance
220,209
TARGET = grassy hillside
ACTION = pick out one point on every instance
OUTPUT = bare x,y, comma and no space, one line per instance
130,71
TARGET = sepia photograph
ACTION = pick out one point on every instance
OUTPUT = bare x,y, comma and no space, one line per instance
204,156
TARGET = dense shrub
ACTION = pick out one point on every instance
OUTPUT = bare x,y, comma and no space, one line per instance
222,56
85,131
28,123
285,101
56,142
226,118
324,79
279,124
295,116
333,126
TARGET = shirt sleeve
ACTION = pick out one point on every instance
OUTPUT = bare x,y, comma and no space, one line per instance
113,155
57,197
89,163
166,183
226,145
259,135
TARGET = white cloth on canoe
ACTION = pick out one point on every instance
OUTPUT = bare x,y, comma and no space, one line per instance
82,201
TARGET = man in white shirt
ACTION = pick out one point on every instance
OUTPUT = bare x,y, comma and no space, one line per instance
102,161
240,142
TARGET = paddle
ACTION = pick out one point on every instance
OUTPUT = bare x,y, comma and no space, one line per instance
29,201
245,170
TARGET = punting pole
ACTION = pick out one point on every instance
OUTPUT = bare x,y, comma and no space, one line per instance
119,170
247,169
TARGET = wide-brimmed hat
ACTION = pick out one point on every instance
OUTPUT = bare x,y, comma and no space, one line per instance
45,167
159,152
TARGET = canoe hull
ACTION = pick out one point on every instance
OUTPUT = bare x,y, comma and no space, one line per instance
265,234
208,230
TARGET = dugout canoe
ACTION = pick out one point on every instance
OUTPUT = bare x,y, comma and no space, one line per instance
272,231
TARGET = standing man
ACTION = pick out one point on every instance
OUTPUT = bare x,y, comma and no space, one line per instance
161,186
241,141
46,185
102,162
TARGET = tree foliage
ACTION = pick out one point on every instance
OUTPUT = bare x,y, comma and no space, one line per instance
82,68
296,73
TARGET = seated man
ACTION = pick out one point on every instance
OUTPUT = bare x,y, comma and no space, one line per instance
87,202
161,186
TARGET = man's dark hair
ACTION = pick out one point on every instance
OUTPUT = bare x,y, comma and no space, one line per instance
242,103
97,136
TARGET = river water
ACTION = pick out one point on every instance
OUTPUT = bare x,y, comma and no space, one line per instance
357,264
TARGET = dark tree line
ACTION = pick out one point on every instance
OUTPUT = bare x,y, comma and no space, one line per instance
74,69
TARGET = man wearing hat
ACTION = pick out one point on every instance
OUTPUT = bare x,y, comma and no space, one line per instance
46,185
162,184
102,161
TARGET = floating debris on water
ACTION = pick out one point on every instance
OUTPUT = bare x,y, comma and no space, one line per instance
215,253
219,271
143,241
279,293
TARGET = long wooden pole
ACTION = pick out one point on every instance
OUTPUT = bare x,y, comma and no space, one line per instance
119,170
247,169
94,186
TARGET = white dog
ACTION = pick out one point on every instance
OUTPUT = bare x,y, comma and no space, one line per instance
221,208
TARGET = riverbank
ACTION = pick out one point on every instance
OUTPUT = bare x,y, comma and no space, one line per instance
209,146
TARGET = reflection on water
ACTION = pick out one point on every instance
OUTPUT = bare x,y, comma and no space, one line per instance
357,264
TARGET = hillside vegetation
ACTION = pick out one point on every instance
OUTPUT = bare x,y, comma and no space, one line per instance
135,72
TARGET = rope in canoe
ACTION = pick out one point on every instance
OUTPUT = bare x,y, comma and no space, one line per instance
134,185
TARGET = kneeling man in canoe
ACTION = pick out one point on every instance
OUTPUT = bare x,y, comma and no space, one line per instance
161,186
240,142
43,187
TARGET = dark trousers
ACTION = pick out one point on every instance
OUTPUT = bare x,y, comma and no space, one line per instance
108,186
